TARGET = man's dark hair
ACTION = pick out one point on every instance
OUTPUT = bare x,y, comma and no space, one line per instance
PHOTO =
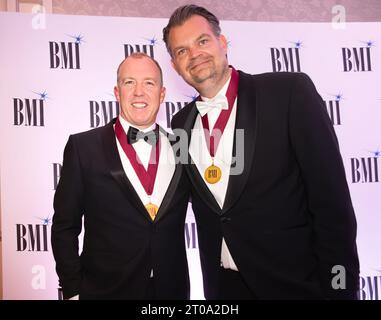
182,14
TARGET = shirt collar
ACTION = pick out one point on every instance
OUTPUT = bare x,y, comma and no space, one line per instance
126,125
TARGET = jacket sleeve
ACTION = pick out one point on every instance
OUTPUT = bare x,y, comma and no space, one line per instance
67,221
334,225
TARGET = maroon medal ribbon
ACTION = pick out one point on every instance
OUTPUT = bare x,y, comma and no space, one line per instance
146,177
213,138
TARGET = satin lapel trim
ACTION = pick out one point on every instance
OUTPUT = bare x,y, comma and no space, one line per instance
193,173
246,119
173,185
117,171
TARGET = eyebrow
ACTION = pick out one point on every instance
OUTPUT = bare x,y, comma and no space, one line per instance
197,39
146,78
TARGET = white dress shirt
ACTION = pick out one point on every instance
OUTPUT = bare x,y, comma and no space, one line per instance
200,155
165,169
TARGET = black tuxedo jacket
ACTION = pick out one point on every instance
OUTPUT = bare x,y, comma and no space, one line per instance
121,243
288,217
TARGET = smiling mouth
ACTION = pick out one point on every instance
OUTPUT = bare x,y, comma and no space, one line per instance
139,105
199,64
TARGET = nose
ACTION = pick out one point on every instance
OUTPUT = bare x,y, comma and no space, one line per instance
138,89
194,52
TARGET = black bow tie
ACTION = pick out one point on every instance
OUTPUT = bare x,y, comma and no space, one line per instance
134,135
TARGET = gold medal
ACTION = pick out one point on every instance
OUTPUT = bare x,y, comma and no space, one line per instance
212,174
152,210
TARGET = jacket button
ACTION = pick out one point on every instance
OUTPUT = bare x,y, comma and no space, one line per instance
225,219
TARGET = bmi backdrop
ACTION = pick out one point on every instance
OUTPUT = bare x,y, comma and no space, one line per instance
57,76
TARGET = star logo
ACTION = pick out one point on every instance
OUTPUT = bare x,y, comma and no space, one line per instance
152,41
43,95
338,97
45,221
376,153
298,44
78,39
369,43
192,97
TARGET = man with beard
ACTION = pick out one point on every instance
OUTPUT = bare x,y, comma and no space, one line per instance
282,225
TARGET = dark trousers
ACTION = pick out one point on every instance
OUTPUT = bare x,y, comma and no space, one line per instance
233,286
150,290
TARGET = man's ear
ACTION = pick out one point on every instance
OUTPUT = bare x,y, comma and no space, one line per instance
224,42
116,93
162,94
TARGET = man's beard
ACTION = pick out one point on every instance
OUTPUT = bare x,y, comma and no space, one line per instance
200,79
207,72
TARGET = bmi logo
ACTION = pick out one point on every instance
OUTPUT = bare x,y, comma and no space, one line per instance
366,169
191,235
145,48
65,55
57,167
333,109
286,59
358,59
102,112
33,237
171,108
29,111
370,288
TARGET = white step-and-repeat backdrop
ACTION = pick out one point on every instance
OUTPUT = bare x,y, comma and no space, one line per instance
57,75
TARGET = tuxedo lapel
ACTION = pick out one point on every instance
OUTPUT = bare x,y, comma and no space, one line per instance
194,175
116,168
246,119
173,185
